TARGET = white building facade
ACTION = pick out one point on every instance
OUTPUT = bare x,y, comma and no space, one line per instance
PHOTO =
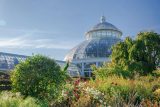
96,49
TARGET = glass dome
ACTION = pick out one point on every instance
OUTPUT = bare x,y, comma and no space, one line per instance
92,49
104,25
98,43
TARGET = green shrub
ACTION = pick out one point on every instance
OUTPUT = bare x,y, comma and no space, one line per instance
110,69
39,77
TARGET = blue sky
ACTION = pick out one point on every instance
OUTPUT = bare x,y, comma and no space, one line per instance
52,27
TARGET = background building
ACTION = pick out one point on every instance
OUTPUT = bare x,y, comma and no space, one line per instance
8,61
96,48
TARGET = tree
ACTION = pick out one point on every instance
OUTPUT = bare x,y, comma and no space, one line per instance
140,55
38,76
147,50
120,53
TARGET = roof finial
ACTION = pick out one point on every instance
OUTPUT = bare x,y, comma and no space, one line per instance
103,19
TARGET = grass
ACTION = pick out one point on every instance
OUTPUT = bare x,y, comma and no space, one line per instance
9,99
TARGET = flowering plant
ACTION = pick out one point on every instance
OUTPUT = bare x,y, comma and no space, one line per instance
72,91
96,95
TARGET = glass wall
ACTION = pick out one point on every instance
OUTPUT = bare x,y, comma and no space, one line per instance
102,34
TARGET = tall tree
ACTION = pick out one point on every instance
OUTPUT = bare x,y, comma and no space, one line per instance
139,55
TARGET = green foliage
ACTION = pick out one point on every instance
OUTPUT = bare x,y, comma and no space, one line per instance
156,73
118,90
141,55
110,69
38,76
9,99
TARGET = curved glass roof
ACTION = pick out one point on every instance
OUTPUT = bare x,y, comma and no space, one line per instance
92,49
98,43
103,25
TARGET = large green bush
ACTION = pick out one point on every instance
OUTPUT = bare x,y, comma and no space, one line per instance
38,76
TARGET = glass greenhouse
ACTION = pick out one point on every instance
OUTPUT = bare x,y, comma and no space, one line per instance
96,48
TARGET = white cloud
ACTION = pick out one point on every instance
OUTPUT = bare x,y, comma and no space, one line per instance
28,42
33,39
3,23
